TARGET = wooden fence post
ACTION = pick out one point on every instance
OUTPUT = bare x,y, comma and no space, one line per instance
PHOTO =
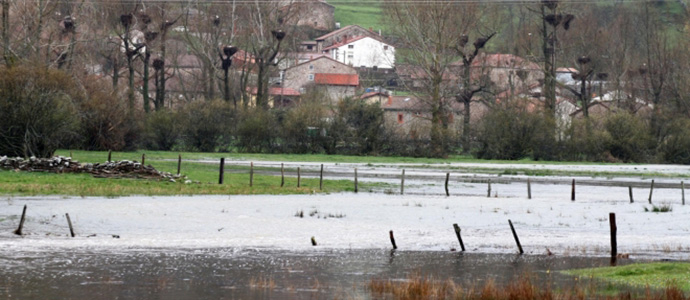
457,233
447,178
251,174
631,194
143,159
313,241
282,174
110,155
179,163
614,242
21,222
69,222
488,192
356,188
651,190
517,240
221,171
572,191
529,189
299,177
682,190
402,182
393,240
321,178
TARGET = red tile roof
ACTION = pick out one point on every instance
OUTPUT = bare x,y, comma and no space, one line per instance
337,79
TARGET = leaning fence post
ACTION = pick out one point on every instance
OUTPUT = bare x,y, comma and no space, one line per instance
651,190
69,222
529,189
631,194
402,182
393,240
614,242
517,240
21,222
221,171
356,188
110,155
572,191
457,233
447,178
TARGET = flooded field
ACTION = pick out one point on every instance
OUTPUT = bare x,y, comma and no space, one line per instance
257,274
239,247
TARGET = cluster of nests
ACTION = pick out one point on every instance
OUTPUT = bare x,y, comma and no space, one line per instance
61,164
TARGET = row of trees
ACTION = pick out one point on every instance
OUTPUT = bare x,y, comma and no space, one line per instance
83,50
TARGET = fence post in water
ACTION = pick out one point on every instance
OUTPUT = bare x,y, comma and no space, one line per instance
488,192
110,155
402,182
299,177
21,222
313,241
356,189
222,170
572,191
179,163
457,233
529,189
517,240
651,190
631,194
321,178
251,174
143,159
614,243
393,240
282,174
682,190
69,222
447,178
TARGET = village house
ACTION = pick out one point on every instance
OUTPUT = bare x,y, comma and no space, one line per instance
337,79
364,52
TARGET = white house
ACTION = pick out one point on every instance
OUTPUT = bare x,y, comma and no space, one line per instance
363,51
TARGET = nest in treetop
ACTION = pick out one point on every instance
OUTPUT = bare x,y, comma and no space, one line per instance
566,21
602,76
150,35
553,19
158,64
68,22
216,20
583,60
278,34
480,42
126,20
229,50
463,40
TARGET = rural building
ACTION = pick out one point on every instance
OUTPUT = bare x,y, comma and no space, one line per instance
364,52
338,79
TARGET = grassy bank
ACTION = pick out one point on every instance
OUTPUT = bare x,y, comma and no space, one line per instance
653,275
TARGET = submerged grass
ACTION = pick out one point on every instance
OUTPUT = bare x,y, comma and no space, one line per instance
524,288
653,275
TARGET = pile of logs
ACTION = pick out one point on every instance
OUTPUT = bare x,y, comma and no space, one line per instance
61,164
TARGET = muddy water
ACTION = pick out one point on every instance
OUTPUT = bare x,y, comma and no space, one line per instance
255,274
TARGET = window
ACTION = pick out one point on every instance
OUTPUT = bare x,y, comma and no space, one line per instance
350,46
385,47
400,118
310,47
311,77
311,67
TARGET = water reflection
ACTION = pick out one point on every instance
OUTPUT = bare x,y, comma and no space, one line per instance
256,274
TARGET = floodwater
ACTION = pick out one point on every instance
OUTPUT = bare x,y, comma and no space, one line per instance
258,273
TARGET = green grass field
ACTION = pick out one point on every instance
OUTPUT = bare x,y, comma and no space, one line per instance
365,13
653,275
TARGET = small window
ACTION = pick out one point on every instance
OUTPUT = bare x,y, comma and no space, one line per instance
302,90
311,77
350,46
311,67
310,47
400,118
385,47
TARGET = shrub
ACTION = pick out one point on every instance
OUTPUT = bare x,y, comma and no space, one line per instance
630,139
303,127
514,133
357,127
38,110
161,130
675,147
207,125
256,130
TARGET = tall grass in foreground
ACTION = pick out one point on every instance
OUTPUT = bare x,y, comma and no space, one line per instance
419,287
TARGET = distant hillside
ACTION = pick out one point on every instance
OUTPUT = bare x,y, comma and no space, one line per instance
365,13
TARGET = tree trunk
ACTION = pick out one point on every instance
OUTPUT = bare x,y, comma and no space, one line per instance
145,83
5,32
